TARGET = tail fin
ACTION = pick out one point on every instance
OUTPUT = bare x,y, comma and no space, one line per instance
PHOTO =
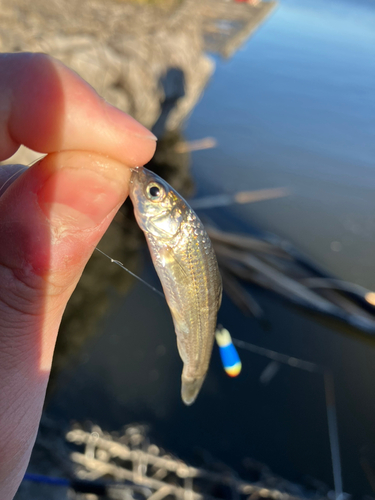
190,388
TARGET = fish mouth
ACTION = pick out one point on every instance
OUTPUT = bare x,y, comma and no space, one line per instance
190,388
135,173
138,179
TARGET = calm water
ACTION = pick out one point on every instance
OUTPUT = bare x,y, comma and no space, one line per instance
294,107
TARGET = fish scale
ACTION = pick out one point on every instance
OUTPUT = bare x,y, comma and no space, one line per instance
187,267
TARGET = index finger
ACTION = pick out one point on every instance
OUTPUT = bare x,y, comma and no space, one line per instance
48,108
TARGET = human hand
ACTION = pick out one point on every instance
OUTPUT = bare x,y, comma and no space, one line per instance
51,219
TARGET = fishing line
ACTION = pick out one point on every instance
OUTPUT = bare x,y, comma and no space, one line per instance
120,264
22,168
276,356
10,178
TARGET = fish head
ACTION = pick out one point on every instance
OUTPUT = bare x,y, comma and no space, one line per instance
157,207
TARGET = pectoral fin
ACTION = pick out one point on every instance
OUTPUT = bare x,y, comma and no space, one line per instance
170,262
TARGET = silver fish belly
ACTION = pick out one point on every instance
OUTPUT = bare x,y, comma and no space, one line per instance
187,267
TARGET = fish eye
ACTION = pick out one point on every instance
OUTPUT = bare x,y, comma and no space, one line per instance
155,192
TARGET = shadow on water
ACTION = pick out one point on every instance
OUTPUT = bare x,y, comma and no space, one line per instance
116,360
173,89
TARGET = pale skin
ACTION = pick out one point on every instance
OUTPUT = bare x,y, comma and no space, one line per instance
51,218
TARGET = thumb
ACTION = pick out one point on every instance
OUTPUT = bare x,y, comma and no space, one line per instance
51,219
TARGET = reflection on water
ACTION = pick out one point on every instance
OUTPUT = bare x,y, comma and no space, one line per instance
294,107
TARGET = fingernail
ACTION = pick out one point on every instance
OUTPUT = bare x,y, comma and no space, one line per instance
77,199
132,125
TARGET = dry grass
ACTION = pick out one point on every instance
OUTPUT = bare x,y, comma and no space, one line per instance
164,4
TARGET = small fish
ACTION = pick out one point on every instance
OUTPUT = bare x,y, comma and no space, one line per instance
187,267
228,353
